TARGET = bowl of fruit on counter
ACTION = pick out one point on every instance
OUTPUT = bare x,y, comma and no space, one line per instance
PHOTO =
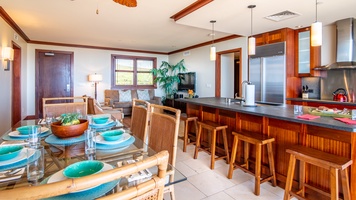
69,125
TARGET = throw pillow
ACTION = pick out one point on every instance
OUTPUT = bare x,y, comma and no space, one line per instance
143,95
125,96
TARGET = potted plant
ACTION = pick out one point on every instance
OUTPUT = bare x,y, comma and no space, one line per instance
167,76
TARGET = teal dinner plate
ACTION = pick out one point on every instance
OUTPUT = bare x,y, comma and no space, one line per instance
54,140
87,194
103,126
116,146
8,137
20,163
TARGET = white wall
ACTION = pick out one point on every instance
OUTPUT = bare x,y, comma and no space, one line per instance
227,75
7,36
86,61
198,61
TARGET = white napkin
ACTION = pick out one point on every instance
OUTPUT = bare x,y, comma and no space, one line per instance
42,121
10,177
141,175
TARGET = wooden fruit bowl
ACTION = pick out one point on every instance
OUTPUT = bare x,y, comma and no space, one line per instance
69,131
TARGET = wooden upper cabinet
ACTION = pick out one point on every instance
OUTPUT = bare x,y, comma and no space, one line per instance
306,56
271,37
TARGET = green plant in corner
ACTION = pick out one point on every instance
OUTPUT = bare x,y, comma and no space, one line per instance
167,77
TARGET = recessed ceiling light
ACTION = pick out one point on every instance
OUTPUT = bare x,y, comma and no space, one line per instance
282,16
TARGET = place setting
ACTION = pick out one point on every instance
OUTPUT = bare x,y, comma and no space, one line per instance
79,170
23,132
113,139
102,122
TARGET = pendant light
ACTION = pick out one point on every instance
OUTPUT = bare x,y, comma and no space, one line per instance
212,48
251,39
316,29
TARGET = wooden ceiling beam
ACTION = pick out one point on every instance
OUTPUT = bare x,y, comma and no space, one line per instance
191,8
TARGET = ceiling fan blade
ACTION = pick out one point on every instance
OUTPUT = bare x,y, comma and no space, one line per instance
128,3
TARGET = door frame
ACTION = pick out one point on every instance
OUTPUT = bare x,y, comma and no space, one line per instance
37,68
218,69
16,97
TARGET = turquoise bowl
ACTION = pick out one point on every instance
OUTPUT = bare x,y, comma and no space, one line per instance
25,130
112,135
100,120
9,152
83,168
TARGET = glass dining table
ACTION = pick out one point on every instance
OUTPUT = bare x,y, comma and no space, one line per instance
60,153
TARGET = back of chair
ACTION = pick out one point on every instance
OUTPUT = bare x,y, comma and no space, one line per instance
154,185
163,134
139,118
60,105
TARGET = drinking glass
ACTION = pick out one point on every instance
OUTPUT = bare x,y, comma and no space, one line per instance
35,164
90,145
300,109
49,118
296,109
34,135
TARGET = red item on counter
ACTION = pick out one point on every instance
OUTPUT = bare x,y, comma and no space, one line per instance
346,120
308,117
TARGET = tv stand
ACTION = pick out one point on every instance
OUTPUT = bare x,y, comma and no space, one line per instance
176,104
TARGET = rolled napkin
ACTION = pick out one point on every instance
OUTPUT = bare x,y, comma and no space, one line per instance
11,174
308,117
346,120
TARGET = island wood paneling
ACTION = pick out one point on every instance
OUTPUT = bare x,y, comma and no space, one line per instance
286,133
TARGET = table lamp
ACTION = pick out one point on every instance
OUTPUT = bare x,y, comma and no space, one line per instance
96,78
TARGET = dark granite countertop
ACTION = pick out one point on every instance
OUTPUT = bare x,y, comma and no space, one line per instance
282,112
322,101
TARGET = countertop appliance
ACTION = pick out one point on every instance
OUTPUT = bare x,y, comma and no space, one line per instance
340,95
267,72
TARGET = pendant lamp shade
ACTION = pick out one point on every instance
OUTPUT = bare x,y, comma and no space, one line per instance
212,48
251,46
212,53
251,39
316,29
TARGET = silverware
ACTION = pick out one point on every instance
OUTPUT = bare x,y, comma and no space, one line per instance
10,172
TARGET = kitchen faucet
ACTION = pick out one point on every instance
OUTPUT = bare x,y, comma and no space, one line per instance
243,89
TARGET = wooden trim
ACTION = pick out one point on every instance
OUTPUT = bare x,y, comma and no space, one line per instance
12,23
93,47
189,9
230,37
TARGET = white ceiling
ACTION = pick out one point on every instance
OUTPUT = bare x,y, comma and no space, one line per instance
149,27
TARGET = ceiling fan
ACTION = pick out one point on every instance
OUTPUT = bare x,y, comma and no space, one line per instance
128,3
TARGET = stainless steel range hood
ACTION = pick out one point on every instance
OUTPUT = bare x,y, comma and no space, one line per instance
345,46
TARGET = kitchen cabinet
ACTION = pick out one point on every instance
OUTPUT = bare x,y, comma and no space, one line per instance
271,37
175,104
306,56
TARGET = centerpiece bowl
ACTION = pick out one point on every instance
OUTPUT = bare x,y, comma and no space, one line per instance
69,131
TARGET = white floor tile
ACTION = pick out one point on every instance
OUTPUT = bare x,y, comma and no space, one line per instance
184,169
219,196
186,191
210,182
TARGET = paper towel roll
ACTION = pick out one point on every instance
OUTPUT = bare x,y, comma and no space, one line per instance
250,95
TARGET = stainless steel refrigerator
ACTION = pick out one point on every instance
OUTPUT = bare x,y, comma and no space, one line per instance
267,69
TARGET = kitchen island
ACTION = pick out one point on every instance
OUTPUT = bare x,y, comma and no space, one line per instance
280,122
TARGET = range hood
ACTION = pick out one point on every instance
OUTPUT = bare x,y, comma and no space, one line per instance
345,46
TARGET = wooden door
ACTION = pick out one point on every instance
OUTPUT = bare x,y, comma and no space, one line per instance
16,86
54,76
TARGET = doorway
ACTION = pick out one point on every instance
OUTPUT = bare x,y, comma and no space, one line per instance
233,58
54,76
16,85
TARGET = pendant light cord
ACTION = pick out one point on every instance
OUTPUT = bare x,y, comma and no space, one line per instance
213,31
251,7
316,10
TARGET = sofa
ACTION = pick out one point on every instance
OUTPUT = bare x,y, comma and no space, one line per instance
123,98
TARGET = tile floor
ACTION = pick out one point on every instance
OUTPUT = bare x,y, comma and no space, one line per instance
204,183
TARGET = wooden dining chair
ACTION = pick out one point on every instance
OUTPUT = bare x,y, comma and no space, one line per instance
59,105
94,108
151,189
163,135
139,119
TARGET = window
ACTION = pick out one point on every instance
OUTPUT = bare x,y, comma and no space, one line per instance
131,72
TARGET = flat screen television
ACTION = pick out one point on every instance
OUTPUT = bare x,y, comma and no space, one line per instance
187,81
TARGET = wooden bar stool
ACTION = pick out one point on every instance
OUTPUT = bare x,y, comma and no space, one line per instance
187,134
258,140
213,127
328,161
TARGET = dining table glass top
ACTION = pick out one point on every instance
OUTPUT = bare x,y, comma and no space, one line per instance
60,153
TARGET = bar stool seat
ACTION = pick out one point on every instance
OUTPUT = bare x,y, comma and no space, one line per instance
258,140
328,161
187,134
213,127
